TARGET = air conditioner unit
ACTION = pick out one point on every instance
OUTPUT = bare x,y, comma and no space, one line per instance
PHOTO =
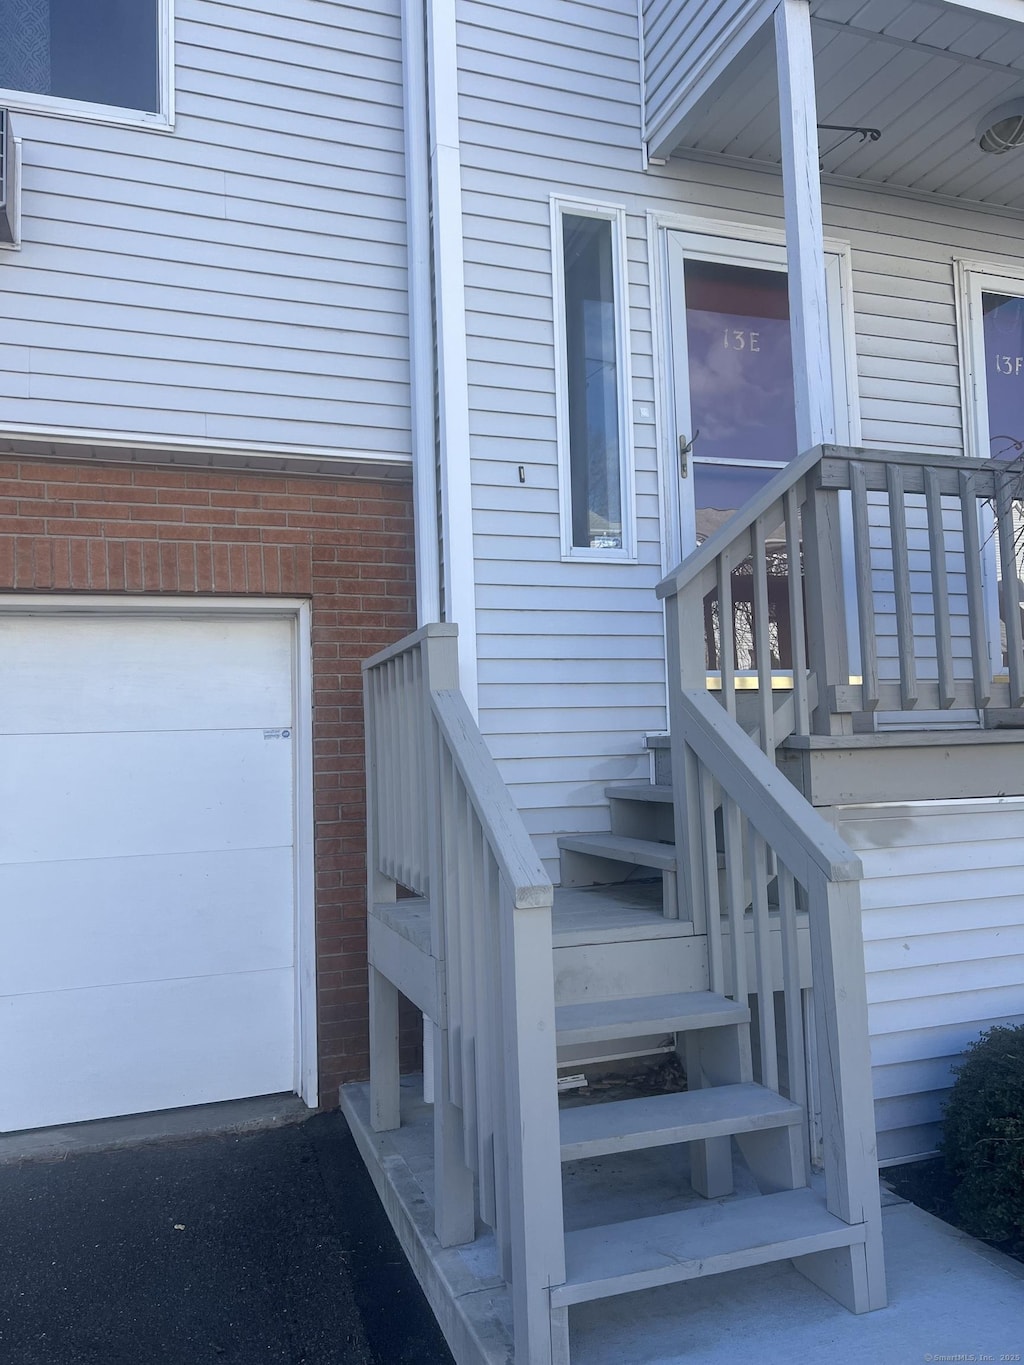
10,183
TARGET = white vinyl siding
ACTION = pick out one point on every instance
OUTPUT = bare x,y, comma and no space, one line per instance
571,655
943,913
241,279
682,40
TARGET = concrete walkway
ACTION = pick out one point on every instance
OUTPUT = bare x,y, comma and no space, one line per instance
950,1297
248,1246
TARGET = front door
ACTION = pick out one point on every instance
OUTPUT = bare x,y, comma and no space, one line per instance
732,372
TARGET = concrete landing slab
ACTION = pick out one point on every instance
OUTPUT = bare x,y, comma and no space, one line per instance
950,1296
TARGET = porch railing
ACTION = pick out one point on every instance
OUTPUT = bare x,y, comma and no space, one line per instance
761,859
906,596
442,824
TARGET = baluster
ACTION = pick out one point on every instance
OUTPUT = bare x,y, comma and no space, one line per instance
901,583
865,587
795,1059
454,1202
735,895
938,554
447,907
709,855
686,817
762,635
980,660
418,775
757,857
385,733
492,908
463,1026
726,631
797,627
1010,605
826,608
407,739
480,1025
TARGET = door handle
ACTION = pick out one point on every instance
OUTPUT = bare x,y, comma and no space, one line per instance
685,446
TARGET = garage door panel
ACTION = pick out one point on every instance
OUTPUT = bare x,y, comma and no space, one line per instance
156,1045
116,795
105,921
75,674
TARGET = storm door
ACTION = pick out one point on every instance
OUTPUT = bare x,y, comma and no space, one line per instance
735,410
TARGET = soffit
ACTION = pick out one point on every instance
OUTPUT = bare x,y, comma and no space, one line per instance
921,71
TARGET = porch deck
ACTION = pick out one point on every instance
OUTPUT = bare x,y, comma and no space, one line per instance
949,1295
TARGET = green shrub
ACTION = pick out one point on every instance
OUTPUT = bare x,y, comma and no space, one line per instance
983,1136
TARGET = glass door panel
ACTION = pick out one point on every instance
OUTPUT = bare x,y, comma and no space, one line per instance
740,362
734,386
1003,330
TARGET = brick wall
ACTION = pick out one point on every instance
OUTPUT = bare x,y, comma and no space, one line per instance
345,544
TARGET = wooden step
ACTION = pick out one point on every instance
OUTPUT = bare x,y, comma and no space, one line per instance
658,1120
638,791
622,849
595,1021
622,912
619,1258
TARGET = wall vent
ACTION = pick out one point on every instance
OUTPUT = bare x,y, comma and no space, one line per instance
10,186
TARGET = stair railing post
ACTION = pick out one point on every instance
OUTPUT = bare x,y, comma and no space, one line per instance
534,1158
454,1203
687,671
825,598
839,998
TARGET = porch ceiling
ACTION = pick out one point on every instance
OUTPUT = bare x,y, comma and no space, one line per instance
924,72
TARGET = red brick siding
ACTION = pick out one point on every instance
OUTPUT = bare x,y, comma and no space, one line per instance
347,545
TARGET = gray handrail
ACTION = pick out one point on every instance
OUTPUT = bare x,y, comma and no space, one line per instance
501,822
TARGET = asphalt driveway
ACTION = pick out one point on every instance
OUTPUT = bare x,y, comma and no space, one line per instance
232,1249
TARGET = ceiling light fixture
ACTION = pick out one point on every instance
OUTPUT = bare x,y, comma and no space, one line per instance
1002,129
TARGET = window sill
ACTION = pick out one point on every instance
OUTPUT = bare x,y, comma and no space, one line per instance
53,107
579,555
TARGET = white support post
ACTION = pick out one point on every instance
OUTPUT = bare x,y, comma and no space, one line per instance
534,1167
805,253
421,323
450,324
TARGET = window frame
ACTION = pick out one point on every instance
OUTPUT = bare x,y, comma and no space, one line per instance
562,205
975,278
161,120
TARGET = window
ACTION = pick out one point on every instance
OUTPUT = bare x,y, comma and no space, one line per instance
593,385
1002,321
86,56
992,345
990,300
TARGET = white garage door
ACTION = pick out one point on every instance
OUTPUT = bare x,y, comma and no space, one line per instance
147,922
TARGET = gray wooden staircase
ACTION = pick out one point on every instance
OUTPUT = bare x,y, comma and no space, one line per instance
724,927
722,1103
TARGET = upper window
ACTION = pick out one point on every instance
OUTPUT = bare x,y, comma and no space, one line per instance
1003,330
596,512
992,346
91,55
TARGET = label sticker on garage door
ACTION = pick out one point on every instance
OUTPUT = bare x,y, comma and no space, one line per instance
277,734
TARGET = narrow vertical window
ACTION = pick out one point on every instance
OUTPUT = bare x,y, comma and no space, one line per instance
1003,329
593,433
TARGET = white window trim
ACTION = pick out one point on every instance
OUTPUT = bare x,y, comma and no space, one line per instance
973,278
616,215
162,120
